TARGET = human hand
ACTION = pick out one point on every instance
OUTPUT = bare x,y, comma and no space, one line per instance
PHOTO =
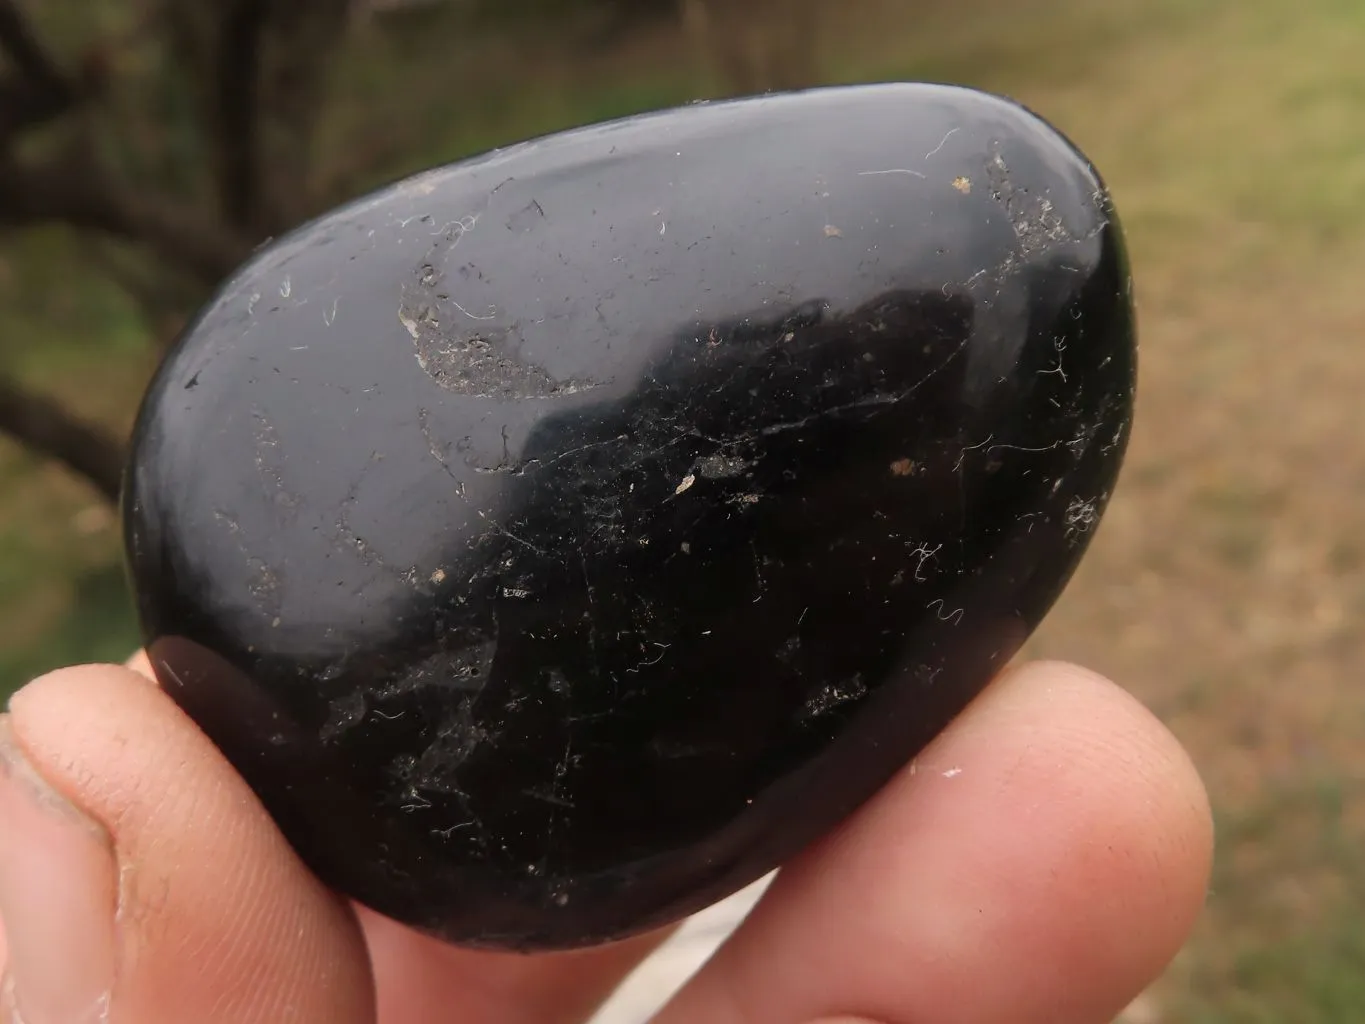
1041,861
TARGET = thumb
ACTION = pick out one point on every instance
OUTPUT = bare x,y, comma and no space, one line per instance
140,879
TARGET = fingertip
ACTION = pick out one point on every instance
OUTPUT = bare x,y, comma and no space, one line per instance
218,919
1042,860
1091,810
1126,738
1111,731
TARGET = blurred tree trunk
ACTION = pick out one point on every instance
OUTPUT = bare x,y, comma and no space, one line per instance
164,228
757,45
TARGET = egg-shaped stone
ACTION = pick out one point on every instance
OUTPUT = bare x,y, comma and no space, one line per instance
560,540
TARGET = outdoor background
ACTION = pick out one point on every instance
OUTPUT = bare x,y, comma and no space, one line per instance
147,145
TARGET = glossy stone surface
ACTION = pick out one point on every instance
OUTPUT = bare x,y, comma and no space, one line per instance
560,540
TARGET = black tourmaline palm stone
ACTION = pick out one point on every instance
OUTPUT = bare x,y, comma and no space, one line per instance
560,540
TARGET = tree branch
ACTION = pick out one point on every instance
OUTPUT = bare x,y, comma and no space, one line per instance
80,193
42,425
20,44
234,109
39,91
22,105
299,45
258,69
72,187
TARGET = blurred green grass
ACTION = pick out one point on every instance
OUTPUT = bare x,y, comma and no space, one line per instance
1227,585
1285,940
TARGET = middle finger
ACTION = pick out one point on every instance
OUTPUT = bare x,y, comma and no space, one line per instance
424,981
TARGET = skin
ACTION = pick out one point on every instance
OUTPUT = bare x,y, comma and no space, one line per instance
1042,861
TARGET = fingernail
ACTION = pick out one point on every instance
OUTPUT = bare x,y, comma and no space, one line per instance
58,898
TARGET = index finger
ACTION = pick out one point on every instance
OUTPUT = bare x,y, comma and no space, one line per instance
1041,861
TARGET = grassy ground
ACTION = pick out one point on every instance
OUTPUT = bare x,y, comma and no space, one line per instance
1227,585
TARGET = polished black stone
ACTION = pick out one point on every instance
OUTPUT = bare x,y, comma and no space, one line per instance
560,540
